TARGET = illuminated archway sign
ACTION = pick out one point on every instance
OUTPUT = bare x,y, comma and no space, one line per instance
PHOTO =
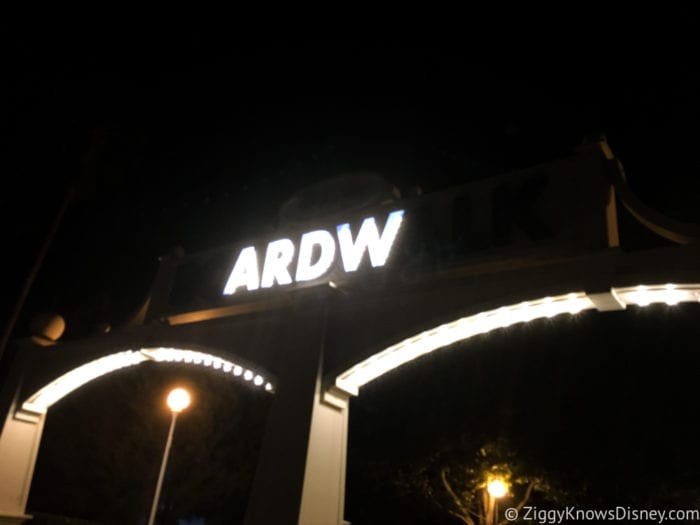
316,256
20,436
40,401
396,355
563,238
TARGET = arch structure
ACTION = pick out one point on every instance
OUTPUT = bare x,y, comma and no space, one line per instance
465,328
387,286
40,401
24,424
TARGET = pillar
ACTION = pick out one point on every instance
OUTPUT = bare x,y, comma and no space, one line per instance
300,477
323,496
19,446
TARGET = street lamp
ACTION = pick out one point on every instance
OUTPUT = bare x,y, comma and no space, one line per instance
497,488
178,400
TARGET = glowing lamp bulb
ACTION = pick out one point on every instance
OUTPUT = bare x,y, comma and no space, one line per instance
178,400
497,488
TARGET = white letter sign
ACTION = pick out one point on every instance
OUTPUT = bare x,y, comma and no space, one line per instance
316,256
307,271
368,239
278,257
245,273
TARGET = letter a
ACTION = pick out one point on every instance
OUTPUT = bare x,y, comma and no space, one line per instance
244,273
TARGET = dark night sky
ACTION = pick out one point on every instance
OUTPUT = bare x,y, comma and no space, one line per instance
196,141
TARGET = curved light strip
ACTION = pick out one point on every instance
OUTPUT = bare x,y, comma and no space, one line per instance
40,401
671,294
404,351
65,384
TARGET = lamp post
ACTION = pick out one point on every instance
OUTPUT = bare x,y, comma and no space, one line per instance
178,400
497,488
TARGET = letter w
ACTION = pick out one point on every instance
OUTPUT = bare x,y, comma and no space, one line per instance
368,239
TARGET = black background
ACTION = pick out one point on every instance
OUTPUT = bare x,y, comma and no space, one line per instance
186,137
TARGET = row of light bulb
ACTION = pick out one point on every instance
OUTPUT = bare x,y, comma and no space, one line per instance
466,327
40,401
175,355
388,359
670,294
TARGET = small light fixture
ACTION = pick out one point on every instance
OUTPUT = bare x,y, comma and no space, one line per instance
497,488
178,399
